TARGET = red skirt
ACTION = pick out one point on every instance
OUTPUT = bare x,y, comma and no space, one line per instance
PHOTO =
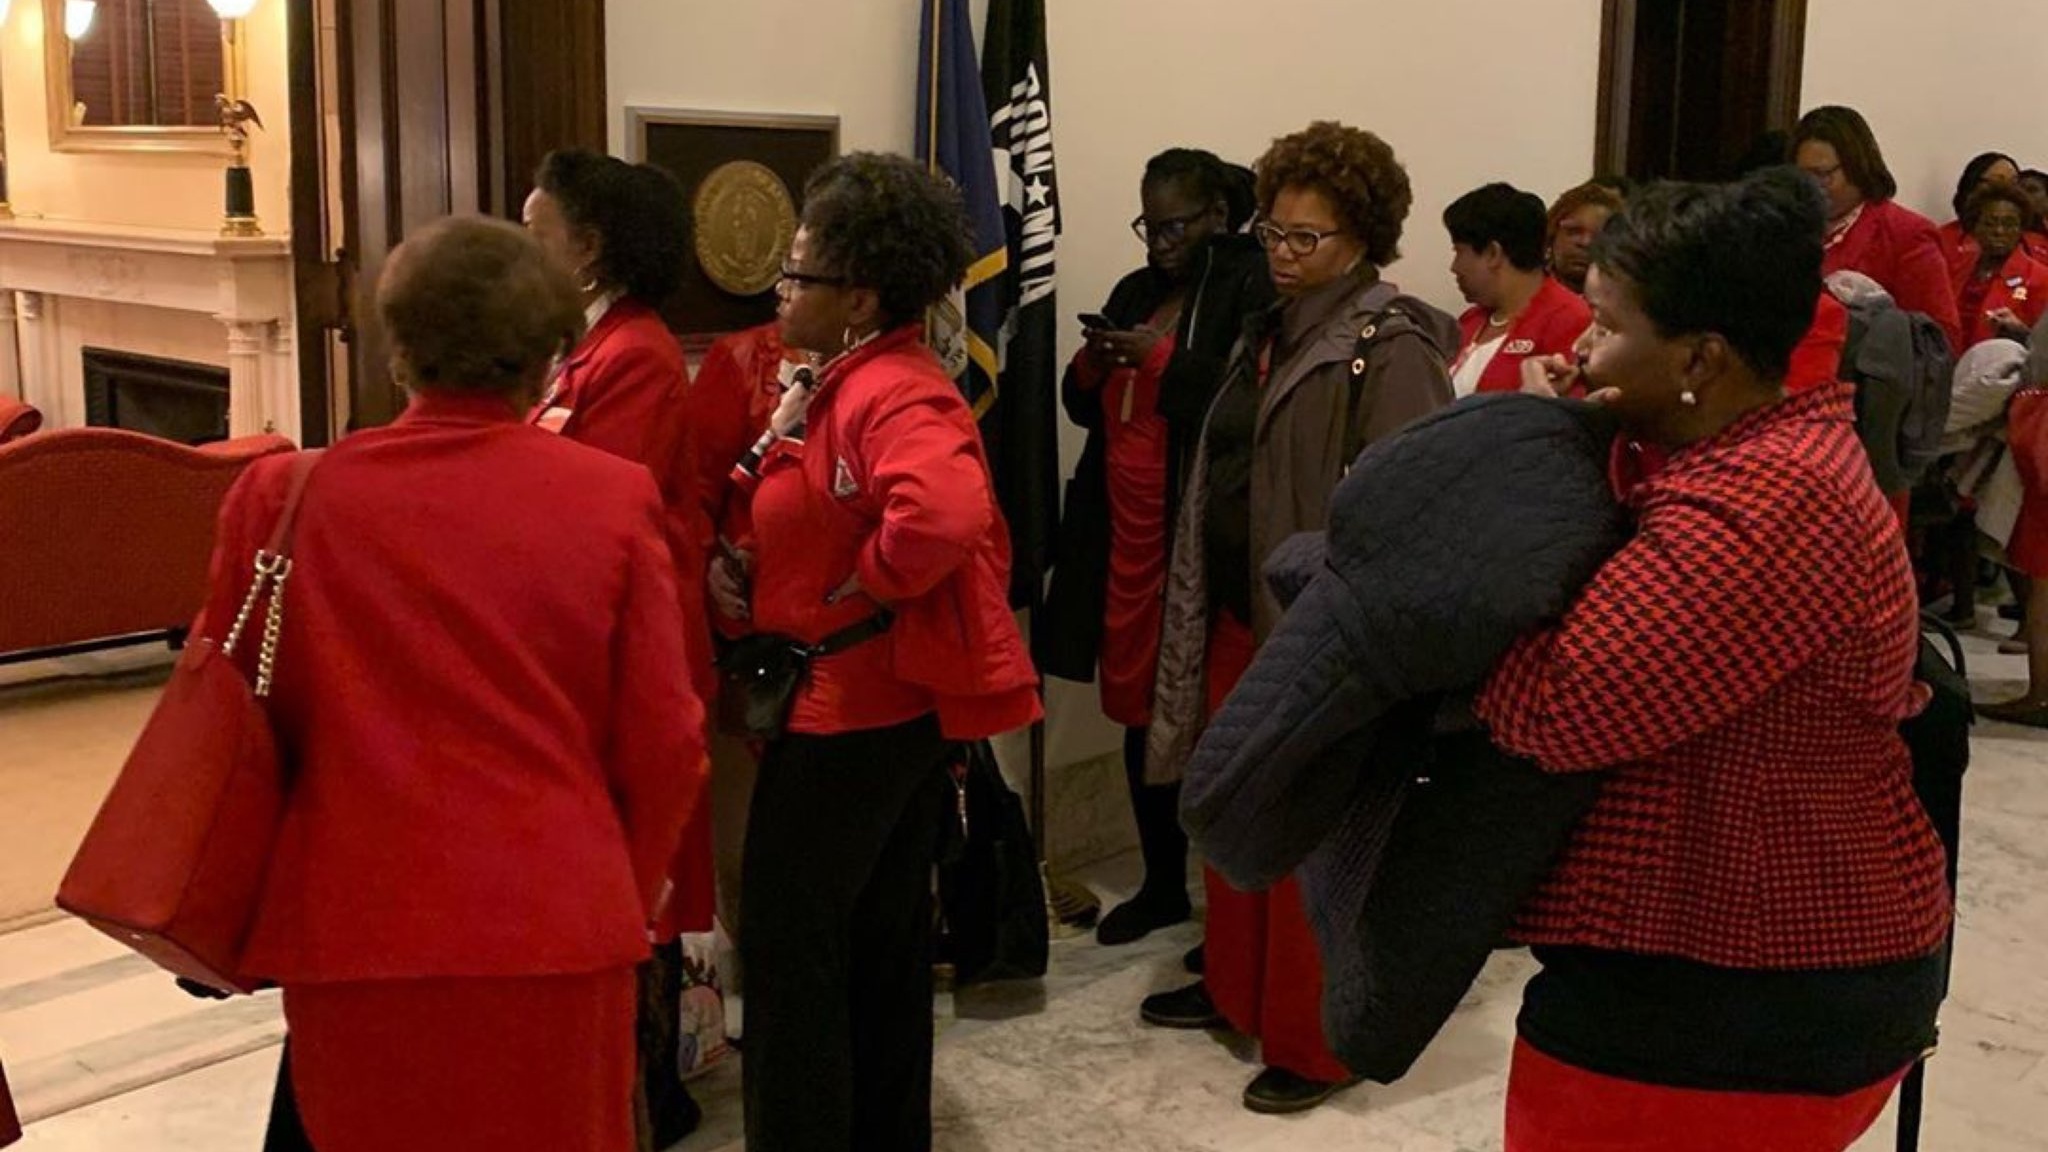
1261,962
1555,1107
508,1064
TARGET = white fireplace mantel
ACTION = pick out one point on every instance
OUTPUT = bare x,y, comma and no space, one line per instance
244,283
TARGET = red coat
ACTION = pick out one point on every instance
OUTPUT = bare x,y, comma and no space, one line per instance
1739,671
1817,359
1552,323
736,391
484,699
1902,251
624,389
2021,284
891,484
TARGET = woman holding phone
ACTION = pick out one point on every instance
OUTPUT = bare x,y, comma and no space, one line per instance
1153,359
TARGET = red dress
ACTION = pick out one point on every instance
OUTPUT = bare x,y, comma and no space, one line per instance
1132,603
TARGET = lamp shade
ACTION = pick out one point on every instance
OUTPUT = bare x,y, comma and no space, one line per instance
78,16
233,9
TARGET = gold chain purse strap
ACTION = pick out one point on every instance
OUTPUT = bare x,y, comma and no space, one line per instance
273,566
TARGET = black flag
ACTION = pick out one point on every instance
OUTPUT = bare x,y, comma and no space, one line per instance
1021,428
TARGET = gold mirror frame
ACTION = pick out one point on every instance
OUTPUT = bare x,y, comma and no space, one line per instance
68,137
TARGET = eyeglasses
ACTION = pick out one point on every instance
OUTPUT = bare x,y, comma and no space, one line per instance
806,279
1824,175
1300,241
1164,229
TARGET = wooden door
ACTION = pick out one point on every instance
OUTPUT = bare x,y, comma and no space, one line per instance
1687,87
410,110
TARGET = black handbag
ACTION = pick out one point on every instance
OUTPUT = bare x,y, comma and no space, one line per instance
758,676
991,893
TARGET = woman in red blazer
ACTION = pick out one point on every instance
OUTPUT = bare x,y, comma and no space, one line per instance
874,517
1518,310
2001,290
493,735
621,233
1868,231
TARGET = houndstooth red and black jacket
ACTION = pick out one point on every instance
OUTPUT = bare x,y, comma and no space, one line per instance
1740,668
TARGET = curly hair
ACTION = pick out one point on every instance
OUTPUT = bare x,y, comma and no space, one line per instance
473,304
1989,194
887,223
638,212
1591,194
1358,172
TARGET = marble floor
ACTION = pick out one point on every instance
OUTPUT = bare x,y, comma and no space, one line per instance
106,1055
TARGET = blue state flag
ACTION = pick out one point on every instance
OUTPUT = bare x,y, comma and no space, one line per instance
953,138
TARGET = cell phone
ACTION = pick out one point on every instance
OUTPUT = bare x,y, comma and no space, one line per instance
1097,322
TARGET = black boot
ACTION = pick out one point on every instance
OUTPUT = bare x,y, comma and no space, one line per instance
1162,900
1278,1092
1188,1007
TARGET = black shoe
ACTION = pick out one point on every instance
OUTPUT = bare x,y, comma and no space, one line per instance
1194,960
1134,919
2011,612
2021,711
1278,1092
1188,1007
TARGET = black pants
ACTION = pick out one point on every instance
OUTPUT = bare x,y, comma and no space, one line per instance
836,882
1161,840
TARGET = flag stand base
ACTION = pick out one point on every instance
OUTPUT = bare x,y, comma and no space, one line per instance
1070,908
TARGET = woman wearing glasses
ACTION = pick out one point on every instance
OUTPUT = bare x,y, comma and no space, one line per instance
1341,361
873,521
1140,387
1868,231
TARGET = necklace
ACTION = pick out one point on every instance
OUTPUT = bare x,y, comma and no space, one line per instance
1498,321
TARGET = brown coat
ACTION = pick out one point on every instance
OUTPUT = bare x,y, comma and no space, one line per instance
1300,450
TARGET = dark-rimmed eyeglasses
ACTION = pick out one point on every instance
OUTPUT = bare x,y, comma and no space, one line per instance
807,279
1300,241
1164,229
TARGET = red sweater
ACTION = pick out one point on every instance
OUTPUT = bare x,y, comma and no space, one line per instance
1902,251
1739,670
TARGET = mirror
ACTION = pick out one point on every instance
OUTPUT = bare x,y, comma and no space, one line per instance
134,74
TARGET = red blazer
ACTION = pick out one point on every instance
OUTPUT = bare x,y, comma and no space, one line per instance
891,484
483,696
625,389
1554,320
1958,245
1817,359
1902,251
2021,285
1739,671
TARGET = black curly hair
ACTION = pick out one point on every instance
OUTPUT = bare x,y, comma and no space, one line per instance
638,212
1356,170
1989,194
887,223
1210,178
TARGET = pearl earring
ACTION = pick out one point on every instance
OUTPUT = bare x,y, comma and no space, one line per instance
1687,398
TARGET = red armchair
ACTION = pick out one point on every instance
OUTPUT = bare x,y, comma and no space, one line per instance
105,534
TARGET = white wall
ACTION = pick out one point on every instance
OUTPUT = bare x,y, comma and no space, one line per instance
1939,84
1131,77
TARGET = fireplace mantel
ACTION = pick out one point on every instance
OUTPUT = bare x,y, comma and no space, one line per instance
244,284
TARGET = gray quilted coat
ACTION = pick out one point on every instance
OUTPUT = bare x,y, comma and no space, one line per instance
1447,542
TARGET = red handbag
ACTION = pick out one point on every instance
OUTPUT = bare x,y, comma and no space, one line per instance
174,864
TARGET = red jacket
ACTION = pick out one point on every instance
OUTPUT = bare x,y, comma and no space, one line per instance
2021,284
891,484
484,700
736,391
1817,359
624,389
1901,250
1739,671
1552,323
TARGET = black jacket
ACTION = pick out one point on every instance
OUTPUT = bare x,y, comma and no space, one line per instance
1233,283
1447,542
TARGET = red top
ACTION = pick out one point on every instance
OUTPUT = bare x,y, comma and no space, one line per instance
1552,323
484,700
2021,284
1901,250
1136,438
891,485
1817,360
1739,669
736,391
